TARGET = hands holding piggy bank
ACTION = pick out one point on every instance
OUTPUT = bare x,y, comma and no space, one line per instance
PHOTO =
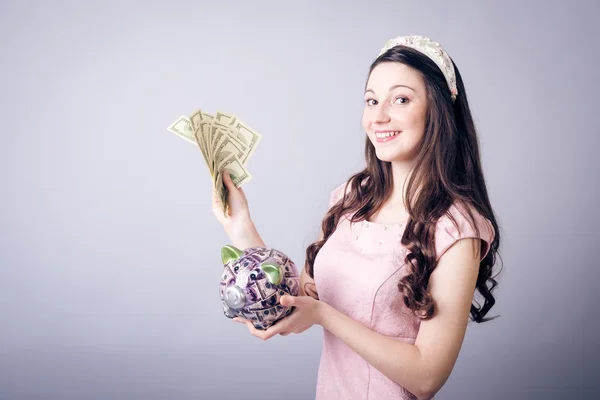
253,281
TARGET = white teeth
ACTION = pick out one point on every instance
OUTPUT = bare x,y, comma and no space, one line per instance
386,134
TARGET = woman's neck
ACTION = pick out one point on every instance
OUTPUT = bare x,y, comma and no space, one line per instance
400,175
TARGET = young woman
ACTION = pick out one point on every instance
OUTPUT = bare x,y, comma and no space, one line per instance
405,243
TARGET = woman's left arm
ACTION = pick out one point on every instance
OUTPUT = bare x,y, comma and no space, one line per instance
423,367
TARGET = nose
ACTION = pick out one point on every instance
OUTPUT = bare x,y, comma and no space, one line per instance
381,114
234,297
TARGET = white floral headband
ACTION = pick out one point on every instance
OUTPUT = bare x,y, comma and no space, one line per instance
431,49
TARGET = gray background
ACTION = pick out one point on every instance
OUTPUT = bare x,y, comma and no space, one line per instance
109,252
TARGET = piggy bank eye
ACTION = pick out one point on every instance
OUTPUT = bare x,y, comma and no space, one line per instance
236,268
253,275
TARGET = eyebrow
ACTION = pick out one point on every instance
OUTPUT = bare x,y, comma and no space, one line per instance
392,88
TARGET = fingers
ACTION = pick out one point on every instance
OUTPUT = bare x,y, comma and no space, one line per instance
286,300
263,335
216,209
231,186
283,327
216,203
269,333
249,324
252,329
228,182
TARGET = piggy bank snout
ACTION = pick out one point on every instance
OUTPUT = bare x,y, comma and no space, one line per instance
234,297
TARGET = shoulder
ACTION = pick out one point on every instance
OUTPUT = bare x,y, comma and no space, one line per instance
458,224
344,188
338,193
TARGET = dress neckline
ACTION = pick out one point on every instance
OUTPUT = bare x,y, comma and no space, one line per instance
379,225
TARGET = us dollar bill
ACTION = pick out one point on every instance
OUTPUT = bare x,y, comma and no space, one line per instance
239,176
185,128
182,127
226,144
198,125
248,137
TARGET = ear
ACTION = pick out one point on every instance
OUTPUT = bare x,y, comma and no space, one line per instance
229,253
273,271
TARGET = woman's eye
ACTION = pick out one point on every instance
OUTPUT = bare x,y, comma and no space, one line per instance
401,100
371,102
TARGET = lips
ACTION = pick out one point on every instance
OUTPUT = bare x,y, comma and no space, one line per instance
386,136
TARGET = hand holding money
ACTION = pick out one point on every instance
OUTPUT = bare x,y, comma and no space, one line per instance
226,143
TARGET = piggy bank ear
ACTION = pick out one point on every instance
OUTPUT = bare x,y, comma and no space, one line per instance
229,253
273,271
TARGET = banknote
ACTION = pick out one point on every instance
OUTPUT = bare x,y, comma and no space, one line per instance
244,137
224,118
248,137
182,127
238,172
223,146
225,142
198,124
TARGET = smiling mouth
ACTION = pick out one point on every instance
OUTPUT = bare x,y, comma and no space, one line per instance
383,135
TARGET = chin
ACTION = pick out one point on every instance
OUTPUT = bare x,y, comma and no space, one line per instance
389,156
385,159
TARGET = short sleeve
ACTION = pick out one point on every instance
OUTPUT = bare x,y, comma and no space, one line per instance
337,194
449,232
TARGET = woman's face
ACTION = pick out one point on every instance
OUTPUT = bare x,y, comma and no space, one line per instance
394,113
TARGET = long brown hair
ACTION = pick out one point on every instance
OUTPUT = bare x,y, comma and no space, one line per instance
447,171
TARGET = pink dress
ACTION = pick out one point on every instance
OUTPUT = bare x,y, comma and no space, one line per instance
356,271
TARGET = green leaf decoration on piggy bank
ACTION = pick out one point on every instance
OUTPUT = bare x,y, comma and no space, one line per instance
253,281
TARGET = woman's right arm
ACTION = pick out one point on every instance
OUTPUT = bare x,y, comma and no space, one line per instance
237,223
244,235
242,232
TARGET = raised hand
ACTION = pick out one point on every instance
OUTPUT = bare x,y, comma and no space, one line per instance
237,221
237,204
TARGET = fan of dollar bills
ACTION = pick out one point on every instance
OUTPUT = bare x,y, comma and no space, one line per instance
225,142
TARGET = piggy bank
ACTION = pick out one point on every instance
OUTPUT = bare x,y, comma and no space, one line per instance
253,281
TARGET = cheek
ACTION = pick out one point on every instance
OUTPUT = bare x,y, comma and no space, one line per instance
413,122
365,121
418,118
